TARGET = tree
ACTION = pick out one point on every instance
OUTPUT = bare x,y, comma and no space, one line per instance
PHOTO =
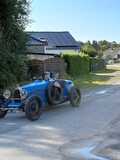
89,49
13,18
96,45
114,45
104,45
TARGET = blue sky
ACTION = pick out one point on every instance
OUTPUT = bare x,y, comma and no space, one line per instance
85,19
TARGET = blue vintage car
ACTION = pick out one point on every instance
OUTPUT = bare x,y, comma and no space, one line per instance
33,98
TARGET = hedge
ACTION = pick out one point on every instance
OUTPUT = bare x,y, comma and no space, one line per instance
77,64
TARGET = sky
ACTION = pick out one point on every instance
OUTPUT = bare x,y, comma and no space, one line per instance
84,19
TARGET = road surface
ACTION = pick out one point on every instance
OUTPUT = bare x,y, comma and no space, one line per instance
64,132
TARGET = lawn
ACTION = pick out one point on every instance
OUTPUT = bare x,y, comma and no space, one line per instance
93,80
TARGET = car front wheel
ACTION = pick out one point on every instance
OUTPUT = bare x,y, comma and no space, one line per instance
33,109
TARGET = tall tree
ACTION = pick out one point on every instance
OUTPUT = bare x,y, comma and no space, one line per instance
104,45
89,49
13,18
96,45
114,45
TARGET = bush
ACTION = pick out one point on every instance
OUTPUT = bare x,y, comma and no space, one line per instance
77,64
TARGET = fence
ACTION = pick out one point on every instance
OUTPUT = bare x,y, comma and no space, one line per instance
38,67
97,64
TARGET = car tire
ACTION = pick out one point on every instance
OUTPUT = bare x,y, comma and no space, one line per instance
52,100
75,97
33,109
2,113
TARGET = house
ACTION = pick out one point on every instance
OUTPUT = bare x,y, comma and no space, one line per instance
51,43
44,50
111,56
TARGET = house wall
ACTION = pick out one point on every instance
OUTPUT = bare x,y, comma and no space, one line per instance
35,49
58,51
39,57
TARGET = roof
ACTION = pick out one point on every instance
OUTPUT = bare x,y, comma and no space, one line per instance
54,39
35,41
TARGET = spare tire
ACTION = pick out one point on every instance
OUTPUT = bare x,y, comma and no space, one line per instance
55,93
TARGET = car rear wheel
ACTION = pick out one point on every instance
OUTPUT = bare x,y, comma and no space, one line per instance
75,97
3,113
33,109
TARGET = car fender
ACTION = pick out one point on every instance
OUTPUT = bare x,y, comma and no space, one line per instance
34,96
69,86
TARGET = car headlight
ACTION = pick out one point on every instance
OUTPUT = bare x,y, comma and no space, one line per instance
23,93
7,94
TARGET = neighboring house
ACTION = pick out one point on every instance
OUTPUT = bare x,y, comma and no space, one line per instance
111,56
51,43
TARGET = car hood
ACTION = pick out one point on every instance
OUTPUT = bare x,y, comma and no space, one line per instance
36,85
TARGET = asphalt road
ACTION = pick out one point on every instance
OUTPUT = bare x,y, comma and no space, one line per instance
60,131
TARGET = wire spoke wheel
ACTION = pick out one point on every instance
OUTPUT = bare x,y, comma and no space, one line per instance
33,109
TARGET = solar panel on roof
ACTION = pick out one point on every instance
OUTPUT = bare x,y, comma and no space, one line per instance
56,38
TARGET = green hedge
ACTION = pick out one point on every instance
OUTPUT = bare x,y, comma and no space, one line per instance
77,64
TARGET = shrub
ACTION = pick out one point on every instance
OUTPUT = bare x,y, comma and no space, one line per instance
77,64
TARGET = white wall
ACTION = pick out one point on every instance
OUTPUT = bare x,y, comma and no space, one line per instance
39,57
58,51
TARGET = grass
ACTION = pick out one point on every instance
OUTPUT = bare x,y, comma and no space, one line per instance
93,80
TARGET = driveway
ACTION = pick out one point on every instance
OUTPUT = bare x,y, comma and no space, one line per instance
63,132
